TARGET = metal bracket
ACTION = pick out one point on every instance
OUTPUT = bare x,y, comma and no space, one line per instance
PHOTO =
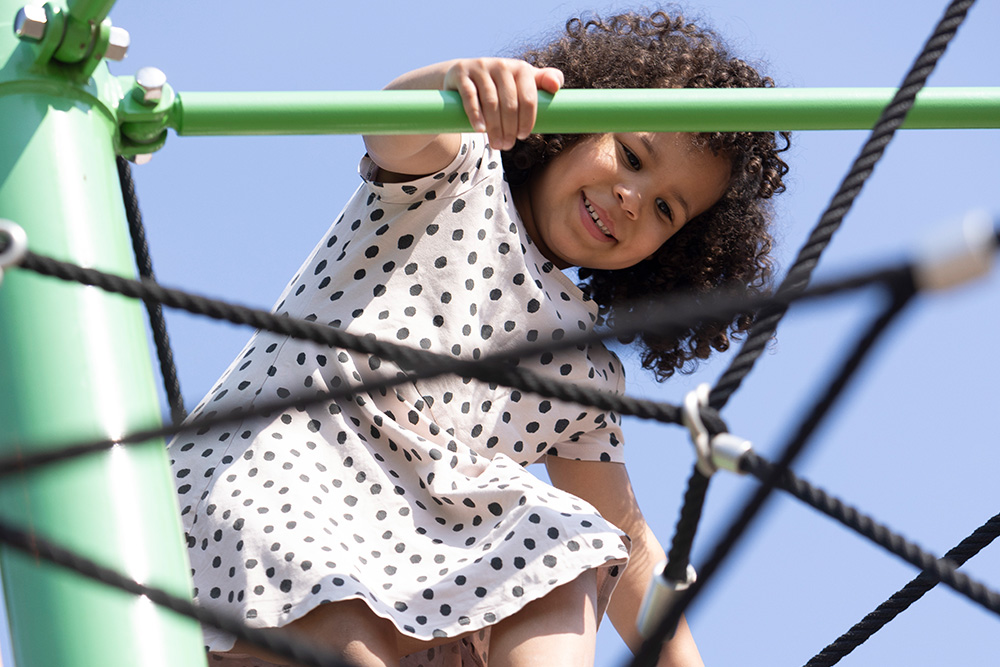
13,247
81,42
144,113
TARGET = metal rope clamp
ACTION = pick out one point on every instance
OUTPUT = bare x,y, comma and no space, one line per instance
660,597
13,245
724,450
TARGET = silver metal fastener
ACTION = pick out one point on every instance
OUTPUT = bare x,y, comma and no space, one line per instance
30,23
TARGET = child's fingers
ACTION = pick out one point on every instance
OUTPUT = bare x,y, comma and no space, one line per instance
464,77
470,102
527,101
500,96
549,79
509,85
489,95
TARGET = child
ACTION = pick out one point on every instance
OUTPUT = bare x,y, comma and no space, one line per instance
403,522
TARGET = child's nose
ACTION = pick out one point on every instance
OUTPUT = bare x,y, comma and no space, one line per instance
629,200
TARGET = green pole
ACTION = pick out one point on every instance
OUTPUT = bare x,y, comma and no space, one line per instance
74,363
579,111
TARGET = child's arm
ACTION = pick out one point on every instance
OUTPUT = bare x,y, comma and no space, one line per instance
606,486
500,97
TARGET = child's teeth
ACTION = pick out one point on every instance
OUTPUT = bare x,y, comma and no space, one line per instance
596,218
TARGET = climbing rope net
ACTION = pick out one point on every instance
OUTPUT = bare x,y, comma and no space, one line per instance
716,447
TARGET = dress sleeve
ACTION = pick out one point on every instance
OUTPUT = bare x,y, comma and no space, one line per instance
475,161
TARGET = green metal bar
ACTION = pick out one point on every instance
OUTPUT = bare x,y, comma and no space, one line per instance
90,10
74,363
579,111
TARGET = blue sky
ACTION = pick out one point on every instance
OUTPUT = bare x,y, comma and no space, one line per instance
911,443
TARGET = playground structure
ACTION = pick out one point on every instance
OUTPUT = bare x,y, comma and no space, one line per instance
68,118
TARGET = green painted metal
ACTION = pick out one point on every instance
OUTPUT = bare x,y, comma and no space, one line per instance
579,111
74,363
143,124
90,10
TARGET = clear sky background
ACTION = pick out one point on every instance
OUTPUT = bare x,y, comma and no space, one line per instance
913,443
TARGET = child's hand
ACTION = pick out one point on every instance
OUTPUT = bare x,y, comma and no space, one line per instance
500,95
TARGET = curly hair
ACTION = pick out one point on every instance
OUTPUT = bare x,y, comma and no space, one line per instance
725,248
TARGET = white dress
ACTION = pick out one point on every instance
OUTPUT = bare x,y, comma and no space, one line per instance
415,499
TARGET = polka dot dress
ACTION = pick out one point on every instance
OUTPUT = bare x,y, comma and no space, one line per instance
414,499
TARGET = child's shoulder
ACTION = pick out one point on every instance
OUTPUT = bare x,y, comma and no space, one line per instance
476,161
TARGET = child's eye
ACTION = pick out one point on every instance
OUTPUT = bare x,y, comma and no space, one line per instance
665,209
631,158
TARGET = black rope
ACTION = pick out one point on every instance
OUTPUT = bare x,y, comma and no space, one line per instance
797,281
798,276
277,642
901,600
673,314
144,263
499,369
650,649
892,276
942,569
679,556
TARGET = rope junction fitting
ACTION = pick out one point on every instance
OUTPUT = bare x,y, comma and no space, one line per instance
693,403
660,597
13,245
957,254
714,451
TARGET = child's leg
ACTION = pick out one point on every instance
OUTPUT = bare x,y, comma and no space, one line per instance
558,629
348,628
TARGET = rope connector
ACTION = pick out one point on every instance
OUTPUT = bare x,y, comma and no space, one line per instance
13,245
694,402
728,450
956,254
660,596
724,450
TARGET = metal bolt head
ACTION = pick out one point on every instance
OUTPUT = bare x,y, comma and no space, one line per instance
118,44
151,81
30,23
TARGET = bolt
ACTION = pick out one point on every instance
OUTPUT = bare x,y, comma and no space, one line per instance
30,23
142,158
118,44
151,80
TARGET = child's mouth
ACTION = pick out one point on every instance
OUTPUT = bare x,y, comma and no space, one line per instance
596,218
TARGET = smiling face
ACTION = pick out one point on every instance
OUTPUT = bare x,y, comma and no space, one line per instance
611,200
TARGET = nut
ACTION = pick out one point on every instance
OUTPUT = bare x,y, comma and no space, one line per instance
151,80
118,44
30,23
